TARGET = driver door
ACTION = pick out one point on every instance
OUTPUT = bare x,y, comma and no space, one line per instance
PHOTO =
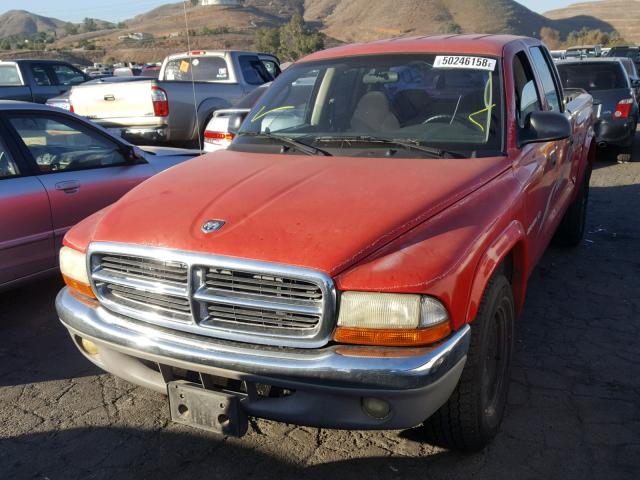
82,169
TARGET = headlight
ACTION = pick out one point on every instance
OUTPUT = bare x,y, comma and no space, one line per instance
391,319
73,265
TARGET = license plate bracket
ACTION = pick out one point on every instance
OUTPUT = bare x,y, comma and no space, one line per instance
211,410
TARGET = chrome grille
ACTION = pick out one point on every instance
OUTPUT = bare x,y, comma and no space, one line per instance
220,297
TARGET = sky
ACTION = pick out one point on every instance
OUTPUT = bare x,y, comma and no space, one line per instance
117,10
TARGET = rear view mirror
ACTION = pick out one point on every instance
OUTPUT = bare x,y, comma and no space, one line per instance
380,77
544,127
235,121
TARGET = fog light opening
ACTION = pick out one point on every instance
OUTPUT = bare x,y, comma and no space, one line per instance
183,409
376,408
88,347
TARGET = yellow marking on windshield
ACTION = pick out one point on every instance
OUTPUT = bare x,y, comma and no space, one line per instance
261,113
486,109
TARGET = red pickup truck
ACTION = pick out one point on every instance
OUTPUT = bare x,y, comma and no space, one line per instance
358,257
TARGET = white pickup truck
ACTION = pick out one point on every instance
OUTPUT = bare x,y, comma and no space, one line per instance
176,107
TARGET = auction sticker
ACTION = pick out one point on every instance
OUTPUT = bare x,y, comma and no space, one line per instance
458,61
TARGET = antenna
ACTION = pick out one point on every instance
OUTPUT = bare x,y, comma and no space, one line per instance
193,82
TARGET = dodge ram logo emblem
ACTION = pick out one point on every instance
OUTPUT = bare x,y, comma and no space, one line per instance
212,226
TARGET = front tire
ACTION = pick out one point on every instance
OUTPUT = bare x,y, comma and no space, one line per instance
471,417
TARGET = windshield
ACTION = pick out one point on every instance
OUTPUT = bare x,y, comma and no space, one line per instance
593,76
201,69
448,102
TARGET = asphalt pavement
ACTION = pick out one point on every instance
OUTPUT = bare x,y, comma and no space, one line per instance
573,412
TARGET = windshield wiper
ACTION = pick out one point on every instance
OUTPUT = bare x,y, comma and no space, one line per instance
409,144
289,142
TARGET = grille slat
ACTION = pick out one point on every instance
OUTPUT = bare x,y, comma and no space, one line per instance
141,300
268,286
215,300
170,272
254,316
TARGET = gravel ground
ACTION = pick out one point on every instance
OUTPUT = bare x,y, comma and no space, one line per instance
574,409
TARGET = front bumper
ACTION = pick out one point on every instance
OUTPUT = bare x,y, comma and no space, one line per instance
328,384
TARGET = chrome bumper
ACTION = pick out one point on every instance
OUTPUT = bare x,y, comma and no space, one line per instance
415,385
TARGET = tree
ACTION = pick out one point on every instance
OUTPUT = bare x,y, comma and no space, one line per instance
297,40
121,25
588,37
70,28
451,28
551,37
291,41
89,25
5,44
267,40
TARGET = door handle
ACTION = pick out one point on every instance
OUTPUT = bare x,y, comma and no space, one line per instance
552,157
109,98
70,186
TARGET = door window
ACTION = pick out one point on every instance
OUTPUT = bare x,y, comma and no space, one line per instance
9,76
61,144
527,99
65,75
8,167
254,70
546,76
40,76
198,69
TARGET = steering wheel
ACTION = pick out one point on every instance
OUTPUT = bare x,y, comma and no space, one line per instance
438,117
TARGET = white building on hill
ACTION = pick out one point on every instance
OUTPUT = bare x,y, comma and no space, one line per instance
236,3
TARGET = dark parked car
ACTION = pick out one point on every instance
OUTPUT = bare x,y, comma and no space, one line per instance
55,170
37,80
614,99
629,51
632,71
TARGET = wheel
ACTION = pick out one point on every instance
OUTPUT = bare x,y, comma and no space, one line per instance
624,154
623,158
571,230
472,415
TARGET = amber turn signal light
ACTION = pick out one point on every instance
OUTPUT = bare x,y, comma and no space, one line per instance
79,286
392,337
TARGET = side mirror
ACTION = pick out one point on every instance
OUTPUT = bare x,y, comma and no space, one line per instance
135,155
235,121
636,83
544,127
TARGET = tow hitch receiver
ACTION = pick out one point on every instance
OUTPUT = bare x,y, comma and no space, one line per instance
211,410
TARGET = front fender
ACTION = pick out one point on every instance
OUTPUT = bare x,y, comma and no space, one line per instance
511,241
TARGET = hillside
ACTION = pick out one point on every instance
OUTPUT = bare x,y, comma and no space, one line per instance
361,20
623,15
211,27
341,20
23,23
20,22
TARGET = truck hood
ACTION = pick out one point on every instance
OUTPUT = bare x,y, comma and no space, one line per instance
324,213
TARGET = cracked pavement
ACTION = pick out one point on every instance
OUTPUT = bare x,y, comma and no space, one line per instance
573,412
